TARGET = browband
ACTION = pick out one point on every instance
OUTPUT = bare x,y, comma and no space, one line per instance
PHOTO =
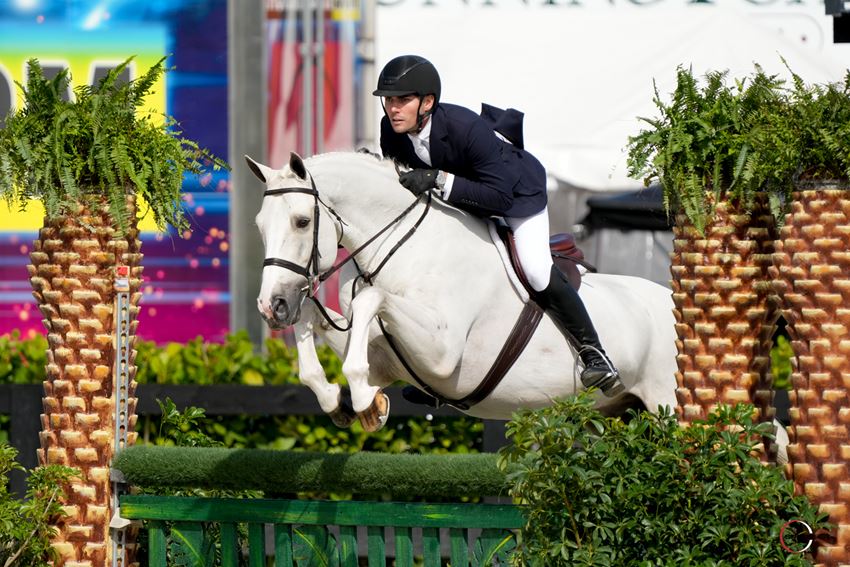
282,190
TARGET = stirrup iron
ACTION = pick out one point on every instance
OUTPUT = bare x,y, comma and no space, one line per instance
606,377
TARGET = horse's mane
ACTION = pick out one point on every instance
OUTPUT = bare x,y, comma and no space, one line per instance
355,155
384,166
375,155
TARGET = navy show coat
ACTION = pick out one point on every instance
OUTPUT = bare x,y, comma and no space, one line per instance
492,177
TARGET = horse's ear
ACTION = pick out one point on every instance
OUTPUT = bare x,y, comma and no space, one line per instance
296,164
263,172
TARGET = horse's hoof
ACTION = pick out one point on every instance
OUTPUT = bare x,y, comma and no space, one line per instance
375,416
344,415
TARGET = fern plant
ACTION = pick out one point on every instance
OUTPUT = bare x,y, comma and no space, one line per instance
719,141
819,117
96,148
703,147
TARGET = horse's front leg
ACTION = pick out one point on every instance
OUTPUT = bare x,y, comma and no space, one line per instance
415,326
310,370
367,399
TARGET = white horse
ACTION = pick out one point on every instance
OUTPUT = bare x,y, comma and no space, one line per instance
444,296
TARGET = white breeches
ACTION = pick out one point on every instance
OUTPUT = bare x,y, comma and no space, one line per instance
531,235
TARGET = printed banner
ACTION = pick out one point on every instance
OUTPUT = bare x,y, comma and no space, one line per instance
185,276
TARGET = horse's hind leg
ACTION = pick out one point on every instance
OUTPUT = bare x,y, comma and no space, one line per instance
311,373
370,403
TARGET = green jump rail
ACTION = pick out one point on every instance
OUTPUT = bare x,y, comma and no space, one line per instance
193,530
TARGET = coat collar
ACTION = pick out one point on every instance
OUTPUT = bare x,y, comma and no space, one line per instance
439,134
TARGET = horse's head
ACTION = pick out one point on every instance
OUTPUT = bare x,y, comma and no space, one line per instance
299,237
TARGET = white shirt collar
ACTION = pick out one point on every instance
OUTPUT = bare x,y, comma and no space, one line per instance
422,143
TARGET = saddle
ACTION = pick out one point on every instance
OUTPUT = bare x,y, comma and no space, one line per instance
566,255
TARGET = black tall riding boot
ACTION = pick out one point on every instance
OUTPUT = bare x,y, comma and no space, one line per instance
563,304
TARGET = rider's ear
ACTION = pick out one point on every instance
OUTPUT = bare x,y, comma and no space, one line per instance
296,164
263,172
427,103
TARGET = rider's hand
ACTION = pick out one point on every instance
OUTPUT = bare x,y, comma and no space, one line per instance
417,181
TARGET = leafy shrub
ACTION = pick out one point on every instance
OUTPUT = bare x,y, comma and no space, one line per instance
22,361
317,433
780,363
183,428
231,362
601,491
25,525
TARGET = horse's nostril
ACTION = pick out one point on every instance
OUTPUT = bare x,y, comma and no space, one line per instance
279,308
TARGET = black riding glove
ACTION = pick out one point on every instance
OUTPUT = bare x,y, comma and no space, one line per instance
417,181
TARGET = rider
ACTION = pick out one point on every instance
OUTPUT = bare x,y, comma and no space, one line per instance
456,152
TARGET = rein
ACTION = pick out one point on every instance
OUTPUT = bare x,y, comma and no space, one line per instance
311,271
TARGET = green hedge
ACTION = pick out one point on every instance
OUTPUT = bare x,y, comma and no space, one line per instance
234,361
231,362
22,361
285,472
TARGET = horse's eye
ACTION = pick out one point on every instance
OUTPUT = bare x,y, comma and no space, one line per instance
302,222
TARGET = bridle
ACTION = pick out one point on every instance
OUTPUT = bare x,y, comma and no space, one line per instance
311,272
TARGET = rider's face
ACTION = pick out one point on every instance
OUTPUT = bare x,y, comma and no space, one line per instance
402,111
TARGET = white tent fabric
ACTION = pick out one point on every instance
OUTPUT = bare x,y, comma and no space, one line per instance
584,74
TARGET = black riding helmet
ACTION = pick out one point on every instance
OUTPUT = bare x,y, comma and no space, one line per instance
409,74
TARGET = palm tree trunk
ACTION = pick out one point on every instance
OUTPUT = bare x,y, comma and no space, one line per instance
725,312
73,271
812,267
